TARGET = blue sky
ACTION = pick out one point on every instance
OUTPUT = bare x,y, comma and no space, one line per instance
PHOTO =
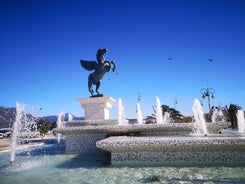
42,42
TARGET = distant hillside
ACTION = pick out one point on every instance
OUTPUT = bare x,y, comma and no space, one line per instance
7,116
53,118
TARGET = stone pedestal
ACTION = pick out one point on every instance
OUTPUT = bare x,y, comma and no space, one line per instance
96,108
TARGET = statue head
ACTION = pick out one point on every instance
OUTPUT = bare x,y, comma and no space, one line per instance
100,55
102,51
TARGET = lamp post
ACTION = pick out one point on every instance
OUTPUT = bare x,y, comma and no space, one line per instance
208,92
139,98
176,100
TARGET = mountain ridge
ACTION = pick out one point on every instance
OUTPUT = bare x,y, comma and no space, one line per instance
8,114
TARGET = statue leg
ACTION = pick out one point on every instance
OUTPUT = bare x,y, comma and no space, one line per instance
91,89
97,87
90,83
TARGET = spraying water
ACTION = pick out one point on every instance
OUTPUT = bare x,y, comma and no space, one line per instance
20,109
121,113
240,121
166,117
218,115
59,124
159,116
139,114
200,125
23,124
70,117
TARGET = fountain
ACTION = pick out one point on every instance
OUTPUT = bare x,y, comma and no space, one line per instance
171,143
22,126
121,113
146,142
20,111
95,146
70,117
171,147
200,125
139,114
159,116
60,124
240,121
217,115
166,117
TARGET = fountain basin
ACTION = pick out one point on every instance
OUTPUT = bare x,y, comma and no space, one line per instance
172,149
81,139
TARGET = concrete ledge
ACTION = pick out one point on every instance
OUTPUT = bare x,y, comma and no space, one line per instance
169,149
146,129
125,143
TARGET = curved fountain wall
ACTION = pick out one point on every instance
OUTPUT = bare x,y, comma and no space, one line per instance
83,138
172,149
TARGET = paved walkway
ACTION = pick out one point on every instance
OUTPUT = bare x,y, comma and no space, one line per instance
4,144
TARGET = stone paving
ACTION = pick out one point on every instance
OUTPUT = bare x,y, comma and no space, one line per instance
4,144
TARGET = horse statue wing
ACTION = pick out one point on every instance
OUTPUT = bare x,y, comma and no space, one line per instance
88,65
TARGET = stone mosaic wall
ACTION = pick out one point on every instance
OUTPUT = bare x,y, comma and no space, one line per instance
181,156
83,143
171,149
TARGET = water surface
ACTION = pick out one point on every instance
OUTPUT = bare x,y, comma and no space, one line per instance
50,164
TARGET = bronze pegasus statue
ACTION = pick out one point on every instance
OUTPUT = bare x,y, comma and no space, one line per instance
100,68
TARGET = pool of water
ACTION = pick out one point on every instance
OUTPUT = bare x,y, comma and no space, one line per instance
50,164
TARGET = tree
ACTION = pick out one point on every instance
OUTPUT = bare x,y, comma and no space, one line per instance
54,125
230,114
150,119
42,125
174,114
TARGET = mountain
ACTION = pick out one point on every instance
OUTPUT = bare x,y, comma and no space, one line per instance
7,116
51,118
65,117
